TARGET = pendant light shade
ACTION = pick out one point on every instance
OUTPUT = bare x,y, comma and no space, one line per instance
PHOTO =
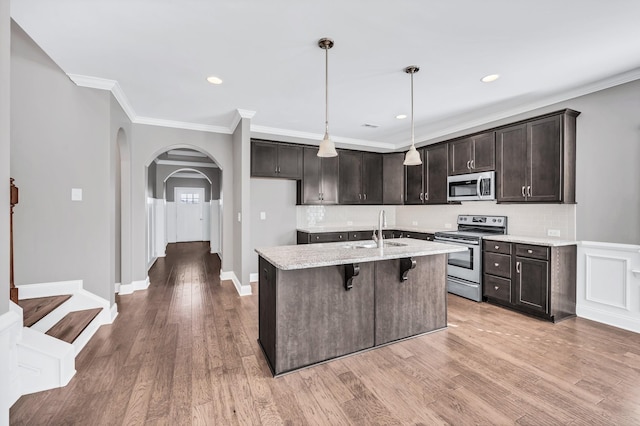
327,148
413,156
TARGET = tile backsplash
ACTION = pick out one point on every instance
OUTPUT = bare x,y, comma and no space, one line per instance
310,216
533,220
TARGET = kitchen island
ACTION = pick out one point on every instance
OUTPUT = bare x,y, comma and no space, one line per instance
323,301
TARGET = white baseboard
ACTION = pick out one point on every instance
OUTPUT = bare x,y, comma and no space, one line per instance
114,312
124,289
31,291
609,318
243,290
254,277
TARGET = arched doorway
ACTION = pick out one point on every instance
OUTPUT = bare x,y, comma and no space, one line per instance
197,178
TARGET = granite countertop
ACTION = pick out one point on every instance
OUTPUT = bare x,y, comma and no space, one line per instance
541,241
327,254
349,228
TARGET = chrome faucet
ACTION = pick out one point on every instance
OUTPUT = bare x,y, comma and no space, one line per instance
382,222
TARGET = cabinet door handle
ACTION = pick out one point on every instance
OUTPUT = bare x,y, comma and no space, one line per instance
340,237
421,197
496,287
497,247
359,196
469,164
529,251
523,192
365,196
529,191
473,164
518,267
496,264
426,196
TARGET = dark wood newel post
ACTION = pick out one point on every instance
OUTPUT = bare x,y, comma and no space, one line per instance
13,292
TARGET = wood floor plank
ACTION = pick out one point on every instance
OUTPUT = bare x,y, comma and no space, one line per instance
33,310
73,324
185,352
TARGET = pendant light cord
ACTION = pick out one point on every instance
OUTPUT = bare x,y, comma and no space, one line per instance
412,132
326,90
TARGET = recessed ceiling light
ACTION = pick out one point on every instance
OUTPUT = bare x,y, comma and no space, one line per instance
214,80
401,116
489,78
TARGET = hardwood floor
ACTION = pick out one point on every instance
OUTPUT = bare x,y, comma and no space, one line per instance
185,352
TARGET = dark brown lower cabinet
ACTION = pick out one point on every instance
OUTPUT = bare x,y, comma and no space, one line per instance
307,316
533,279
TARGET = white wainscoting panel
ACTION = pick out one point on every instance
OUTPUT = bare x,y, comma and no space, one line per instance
609,284
10,334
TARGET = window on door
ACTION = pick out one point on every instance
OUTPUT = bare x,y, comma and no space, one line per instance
190,198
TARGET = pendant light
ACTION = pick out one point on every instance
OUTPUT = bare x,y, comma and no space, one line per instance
413,157
327,148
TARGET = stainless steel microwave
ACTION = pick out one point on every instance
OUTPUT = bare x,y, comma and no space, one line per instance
472,187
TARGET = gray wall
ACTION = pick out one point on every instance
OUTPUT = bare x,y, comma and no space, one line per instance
60,139
147,142
5,59
151,180
164,170
277,199
242,201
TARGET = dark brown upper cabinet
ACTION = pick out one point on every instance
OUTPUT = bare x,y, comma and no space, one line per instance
427,184
393,178
536,160
319,183
472,154
360,177
276,160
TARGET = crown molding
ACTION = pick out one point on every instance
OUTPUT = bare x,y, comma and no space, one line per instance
316,138
311,138
182,125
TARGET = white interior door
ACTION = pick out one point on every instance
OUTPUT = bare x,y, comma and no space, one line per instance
189,214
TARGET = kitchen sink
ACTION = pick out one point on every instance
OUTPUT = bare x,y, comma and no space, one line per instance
371,244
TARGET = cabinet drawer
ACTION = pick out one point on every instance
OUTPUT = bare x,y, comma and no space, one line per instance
534,252
497,247
497,264
360,235
417,235
328,237
497,288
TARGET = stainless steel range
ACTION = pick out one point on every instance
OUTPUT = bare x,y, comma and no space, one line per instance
464,270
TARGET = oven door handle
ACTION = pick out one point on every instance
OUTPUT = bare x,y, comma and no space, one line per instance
452,240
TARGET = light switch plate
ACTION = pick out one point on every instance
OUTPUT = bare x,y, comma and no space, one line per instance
76,194
263,215
553,232
414,223
447,226
239,217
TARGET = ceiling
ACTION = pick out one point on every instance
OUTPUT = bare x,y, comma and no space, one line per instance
159,53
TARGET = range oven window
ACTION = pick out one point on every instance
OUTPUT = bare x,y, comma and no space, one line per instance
462,259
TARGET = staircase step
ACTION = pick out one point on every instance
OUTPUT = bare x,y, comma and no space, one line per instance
70,327
37,308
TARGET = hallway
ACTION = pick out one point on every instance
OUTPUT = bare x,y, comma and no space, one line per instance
185,352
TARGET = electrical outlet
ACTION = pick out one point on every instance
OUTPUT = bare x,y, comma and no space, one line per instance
447,226
349,222
263,215
239,217
414,223
553,232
